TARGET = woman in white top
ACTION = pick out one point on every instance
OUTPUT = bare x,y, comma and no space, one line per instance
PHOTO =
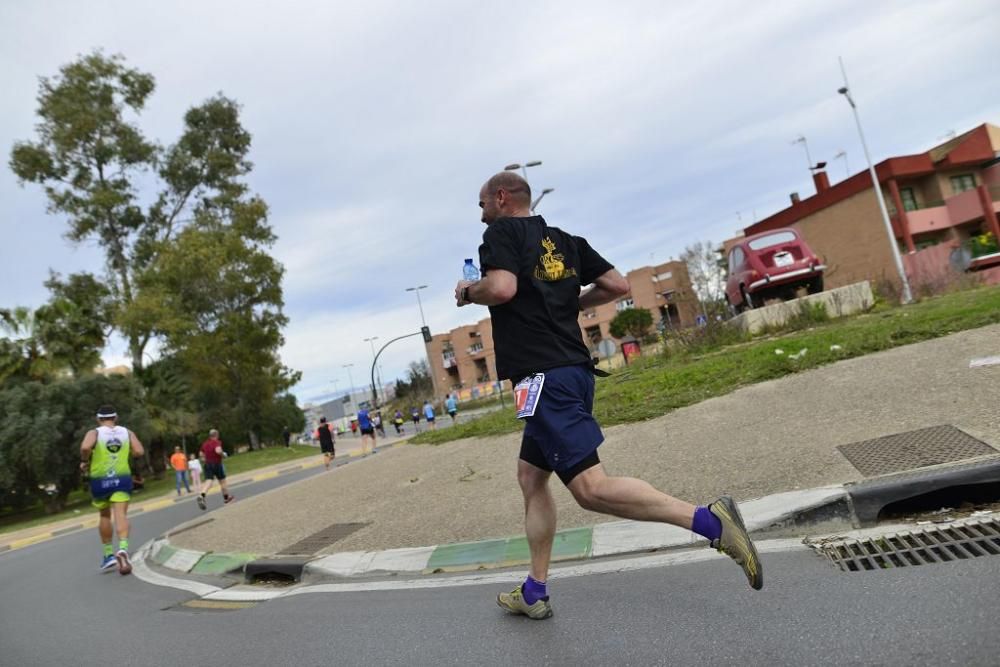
194,465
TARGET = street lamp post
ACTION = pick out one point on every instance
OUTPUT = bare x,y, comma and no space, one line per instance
371,341
544,192
419,305
350,389
846,92
523,167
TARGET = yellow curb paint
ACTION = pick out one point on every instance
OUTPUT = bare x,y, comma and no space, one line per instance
266,475
28,541
218,604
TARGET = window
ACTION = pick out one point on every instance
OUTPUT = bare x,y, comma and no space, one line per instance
475,347
589,314
962,182
771,239
666,275
625,304
736,259
593,335
909,199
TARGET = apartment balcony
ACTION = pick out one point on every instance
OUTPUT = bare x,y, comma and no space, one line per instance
475,350
448,361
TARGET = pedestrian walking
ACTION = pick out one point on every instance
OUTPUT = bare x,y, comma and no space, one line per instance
326,442
451,405
367,430
415,416
104,458
286,435
532,282
429,414
180,465
397,421
194,466
377,420
213,453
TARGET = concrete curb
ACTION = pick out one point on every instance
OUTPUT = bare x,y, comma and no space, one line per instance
769,515
820,510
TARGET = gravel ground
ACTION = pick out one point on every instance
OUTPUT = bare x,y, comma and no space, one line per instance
770,437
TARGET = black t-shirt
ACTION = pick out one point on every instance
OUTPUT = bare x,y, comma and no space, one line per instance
325,435
538,329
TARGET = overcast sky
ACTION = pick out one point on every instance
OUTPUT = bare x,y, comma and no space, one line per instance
374,124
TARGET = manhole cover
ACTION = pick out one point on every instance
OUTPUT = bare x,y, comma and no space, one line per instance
934,545
913,449
322,539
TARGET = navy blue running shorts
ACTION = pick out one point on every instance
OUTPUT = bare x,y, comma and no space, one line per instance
215,471
563,435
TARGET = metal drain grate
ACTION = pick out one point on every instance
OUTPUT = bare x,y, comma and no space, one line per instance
322,539
934,545
913,449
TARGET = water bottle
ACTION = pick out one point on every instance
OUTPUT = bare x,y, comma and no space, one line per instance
469,271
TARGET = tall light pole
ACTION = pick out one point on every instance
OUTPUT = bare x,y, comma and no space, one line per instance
350,390
893,245
523,167
371,341
544,192
805,144
419,305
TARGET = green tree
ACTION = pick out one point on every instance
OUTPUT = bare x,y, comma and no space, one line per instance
635,322
90,156
42,428
73,326
217,295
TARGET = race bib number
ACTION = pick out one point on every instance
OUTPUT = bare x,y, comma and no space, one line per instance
102,487
527,393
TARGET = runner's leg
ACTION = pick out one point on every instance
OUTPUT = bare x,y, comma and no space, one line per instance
539,516
628,498
104,526
120,512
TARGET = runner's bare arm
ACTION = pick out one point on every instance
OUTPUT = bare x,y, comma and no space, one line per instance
609,286
135,445
87,448
498,286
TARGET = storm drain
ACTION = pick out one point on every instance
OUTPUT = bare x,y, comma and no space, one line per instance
913,449
933,545
322,539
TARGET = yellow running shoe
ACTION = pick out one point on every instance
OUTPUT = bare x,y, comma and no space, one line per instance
735,542
514,603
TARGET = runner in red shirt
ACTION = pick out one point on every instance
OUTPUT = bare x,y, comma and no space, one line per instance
212,453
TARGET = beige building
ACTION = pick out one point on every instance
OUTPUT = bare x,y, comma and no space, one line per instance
462,360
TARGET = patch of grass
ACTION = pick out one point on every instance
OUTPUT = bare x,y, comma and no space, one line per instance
653,386
78,503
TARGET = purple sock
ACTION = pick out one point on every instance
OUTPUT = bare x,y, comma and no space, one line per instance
533,591
706,524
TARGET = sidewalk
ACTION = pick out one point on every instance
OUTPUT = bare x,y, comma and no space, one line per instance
764,439
348,446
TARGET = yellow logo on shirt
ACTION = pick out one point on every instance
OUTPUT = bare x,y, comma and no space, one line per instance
552,267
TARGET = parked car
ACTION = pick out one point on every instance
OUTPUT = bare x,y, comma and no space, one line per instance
770,265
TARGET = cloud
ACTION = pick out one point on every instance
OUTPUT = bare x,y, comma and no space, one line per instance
374,125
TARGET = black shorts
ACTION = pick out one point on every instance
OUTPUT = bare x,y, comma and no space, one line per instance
368,431
532,453
215,471
562,435
326,447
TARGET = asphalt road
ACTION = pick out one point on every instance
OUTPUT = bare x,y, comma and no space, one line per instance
56,610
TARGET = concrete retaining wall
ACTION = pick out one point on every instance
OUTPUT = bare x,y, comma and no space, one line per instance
839,302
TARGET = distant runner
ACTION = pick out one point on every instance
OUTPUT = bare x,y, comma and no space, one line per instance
367,429
104,456
212,452
429,414
326,442
451,405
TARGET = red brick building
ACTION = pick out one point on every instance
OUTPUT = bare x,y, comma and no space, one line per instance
938,202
